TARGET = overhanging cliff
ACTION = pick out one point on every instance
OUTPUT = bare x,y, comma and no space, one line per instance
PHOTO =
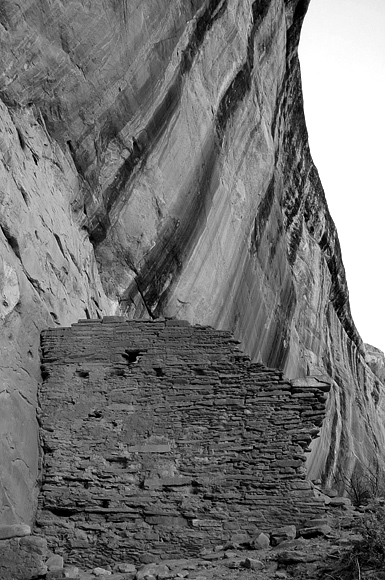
154,161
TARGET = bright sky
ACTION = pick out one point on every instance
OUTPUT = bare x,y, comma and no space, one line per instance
342,55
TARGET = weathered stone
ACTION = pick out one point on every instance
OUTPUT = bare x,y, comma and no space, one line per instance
317,522
279,535
125,567
262,541
212,556
330,492
101,572
22,558
14,531
312,532
296,557
153,570
55,562
253,564
233,563
344,502
127,467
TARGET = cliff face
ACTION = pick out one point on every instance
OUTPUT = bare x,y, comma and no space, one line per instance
154,161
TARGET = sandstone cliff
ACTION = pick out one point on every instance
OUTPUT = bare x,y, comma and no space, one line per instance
154,161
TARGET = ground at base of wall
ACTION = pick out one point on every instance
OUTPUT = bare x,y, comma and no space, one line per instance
314,554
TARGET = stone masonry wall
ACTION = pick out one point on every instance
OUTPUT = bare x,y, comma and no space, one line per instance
160,438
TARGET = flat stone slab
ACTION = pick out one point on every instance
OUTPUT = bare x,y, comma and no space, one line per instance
14,531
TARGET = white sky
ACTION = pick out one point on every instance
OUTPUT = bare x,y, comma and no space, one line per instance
342,55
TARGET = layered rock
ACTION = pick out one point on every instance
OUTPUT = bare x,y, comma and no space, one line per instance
48,274
161,439
154,161
375,359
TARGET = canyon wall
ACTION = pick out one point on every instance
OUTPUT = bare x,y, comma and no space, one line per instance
154,162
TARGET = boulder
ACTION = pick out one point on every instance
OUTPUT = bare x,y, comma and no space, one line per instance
261,542
253,564
343,502
279,535
55,562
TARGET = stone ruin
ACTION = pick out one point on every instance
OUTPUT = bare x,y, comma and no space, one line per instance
160,438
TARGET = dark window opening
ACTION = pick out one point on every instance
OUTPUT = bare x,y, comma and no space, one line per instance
131,356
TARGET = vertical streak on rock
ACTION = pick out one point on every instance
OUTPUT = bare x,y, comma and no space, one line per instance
164,264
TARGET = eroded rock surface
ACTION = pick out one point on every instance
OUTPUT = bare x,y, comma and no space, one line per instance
154,161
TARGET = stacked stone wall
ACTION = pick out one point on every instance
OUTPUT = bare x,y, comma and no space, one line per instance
160,438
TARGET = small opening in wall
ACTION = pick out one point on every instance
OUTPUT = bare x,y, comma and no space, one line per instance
118,373
63,512
82,373
131,356
159,372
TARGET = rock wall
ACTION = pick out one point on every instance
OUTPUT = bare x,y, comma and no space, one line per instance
154,161
48,274
162,438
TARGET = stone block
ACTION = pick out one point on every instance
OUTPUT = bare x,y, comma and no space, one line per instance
57,574
288,557
279,535
330,492
55,562
343,502
261,542
314,531
14,531
253,564
125,567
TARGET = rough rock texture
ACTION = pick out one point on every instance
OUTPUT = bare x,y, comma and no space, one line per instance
47,274
23,558
162,438
154,161
375,359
